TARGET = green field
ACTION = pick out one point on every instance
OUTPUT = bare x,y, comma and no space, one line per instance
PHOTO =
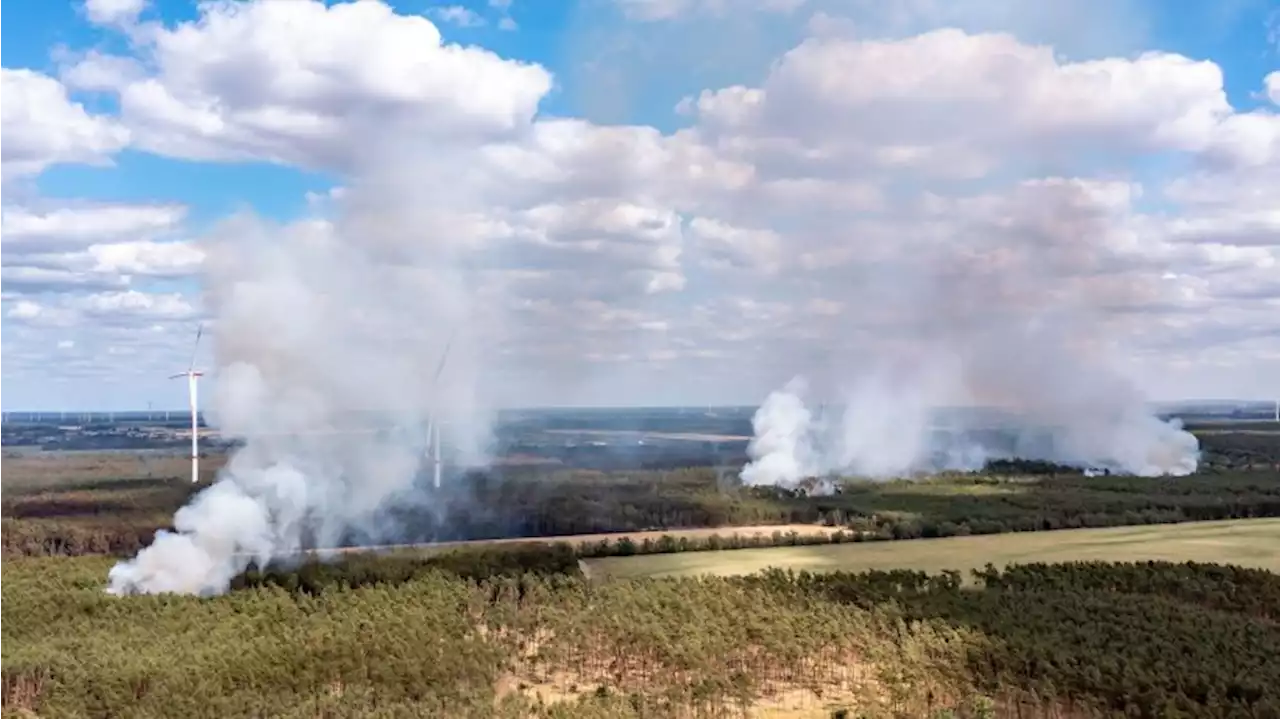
1246,542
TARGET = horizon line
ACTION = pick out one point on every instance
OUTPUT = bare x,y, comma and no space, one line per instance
538,408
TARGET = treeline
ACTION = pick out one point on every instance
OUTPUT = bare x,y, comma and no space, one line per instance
528,636
1238,446
519,504
119,519
478,563
515,505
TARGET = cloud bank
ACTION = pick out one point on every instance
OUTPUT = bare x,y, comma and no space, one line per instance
631,261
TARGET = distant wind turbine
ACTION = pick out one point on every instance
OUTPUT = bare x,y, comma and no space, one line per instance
433,424
193,394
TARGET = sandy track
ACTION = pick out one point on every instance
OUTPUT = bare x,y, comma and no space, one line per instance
578,539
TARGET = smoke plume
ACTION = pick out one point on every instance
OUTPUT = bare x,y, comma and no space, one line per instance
1016,316
326,336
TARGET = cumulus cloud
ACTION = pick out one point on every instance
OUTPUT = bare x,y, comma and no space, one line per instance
134,304
1271,85
69,226
769,225
458,15
113,12
656,10
42,126
962,105
52,247
294,82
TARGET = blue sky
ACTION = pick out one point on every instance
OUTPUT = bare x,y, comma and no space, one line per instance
560,36
611,68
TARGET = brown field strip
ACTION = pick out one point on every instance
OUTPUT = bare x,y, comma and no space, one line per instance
1248,542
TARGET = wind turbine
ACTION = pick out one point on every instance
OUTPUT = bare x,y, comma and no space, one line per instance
433,425
193,394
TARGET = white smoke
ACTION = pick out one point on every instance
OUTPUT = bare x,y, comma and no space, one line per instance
886,435
326,336
1011,315
782,443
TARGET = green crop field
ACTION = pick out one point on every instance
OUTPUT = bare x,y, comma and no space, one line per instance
1246,542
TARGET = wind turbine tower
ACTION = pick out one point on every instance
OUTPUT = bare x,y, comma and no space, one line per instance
193,395
433,422
437,465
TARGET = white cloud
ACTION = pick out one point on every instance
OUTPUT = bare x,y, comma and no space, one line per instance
730,246
36,314
113,12
458,15
963,105
55,249
156,259
505,21
294,82
132,304
42,126
96,71
108,265
801,218
654,10
24,310
125,308
39,280
26,228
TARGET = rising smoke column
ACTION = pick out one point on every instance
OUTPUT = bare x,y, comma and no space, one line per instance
782,443
326,336
1011,315
874,437
326,332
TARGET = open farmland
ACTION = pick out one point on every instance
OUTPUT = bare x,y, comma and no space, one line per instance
1250,542
65,471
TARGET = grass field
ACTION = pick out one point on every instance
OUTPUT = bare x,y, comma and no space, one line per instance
1247,542
55,471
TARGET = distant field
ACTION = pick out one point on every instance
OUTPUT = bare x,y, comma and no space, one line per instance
1248,542
60,470
1230,426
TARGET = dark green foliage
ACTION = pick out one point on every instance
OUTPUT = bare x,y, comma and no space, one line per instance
356,570
1141,639
529,503
413,636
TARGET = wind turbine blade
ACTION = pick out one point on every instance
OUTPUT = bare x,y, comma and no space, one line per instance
444,357
196,348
